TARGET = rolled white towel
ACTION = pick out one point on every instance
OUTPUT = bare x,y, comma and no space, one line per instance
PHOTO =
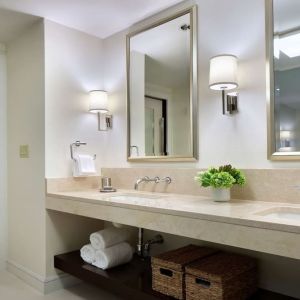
108,237
113,256
88,253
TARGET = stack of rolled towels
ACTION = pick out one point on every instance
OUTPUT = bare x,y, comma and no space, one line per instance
108,248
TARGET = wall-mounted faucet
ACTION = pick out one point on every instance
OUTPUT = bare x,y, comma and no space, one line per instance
145,179
167,179
156,179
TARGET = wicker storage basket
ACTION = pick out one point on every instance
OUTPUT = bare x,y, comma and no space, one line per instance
168,269
221,277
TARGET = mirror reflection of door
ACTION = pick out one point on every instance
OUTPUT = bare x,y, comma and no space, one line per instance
155,129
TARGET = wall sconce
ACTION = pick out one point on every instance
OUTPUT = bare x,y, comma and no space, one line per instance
223,77
285,138
99,105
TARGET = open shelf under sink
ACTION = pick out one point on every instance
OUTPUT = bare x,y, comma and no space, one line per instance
131,281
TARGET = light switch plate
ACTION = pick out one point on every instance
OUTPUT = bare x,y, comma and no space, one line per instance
24,151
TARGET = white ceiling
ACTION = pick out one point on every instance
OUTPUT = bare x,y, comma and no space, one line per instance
286,15
286,18
101,18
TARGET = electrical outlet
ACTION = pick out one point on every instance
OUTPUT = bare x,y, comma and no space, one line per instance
24,151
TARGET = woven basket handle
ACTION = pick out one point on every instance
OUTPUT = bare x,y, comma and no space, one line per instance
203,282
166,272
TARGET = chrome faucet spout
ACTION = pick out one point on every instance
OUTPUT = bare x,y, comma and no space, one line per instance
145,179
140,180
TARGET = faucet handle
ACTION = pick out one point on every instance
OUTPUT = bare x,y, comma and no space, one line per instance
167,179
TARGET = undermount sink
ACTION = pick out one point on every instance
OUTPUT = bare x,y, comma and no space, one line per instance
134,197
287,213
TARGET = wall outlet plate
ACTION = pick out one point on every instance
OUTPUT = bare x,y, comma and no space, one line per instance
24,151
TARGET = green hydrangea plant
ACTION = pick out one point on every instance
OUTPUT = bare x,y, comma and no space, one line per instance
222,177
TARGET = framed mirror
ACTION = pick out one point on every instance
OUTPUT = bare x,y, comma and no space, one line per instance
162,90
283,78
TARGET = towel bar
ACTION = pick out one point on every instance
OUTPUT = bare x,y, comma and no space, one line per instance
77,144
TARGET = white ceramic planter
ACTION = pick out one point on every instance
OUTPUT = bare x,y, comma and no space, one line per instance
220,194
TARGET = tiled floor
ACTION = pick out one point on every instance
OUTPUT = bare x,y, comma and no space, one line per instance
12,288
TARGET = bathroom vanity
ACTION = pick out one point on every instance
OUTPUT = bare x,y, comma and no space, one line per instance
255,225
260,226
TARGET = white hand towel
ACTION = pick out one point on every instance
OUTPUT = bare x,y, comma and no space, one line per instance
75,169
83,165
88,253
108,237
86,164
113,256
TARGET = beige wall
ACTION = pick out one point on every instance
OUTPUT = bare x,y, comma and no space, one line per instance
3,203
65,233
73,66
26,188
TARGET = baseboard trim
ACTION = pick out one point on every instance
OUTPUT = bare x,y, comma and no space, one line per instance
41,284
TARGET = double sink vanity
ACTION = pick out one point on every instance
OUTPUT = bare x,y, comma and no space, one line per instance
268,227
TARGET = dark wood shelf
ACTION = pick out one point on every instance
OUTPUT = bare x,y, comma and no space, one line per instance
131,281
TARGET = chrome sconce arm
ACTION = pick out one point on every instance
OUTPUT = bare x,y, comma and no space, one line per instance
230,102
105,121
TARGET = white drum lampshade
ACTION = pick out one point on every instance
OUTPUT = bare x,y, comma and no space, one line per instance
223,72
98,101
285,135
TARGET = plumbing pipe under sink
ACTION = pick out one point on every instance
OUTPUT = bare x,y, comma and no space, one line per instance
143,249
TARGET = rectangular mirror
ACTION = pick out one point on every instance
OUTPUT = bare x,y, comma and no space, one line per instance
162,90
283,78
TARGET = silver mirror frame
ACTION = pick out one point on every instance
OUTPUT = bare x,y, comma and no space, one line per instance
272,153
193,88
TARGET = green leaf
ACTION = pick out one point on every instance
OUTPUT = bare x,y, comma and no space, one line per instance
223,177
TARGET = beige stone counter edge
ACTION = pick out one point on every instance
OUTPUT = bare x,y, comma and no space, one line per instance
252,219
285,244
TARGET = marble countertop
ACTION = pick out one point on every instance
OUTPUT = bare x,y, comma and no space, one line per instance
239,212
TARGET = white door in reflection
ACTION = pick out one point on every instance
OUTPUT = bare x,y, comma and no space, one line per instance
149,131
155,133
